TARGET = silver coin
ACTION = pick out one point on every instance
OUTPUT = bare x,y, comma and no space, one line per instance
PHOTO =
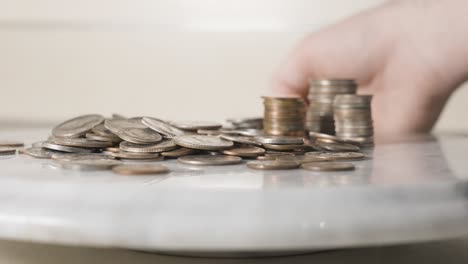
273,165
279,140
79,142
162,127
140,135
101,130
195,125
77,126
335,146
132,155
116,125
210,160
162,146
180,152
11,144
37,152
7,151
37,144
96,137
53,146
77,156
240,139
89,164
247,152
327,166
202,142
332,156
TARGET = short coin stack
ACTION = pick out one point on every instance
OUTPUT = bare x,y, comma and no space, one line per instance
319,117
284,116
353,118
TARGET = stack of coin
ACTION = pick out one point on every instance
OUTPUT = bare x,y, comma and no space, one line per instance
284,116
353,118
319,117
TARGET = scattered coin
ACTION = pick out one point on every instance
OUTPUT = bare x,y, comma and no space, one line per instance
132,155
53,146
273,165
143,169
36,152
116,125
337,147
139,135
202,142
327,166
101,130
69,157
180,152
113,139
240,139
11,144
162,146
210,160
284,147
245,151
169,131
77,126
332,156
194,126
7,151
279,140
89,164
79,142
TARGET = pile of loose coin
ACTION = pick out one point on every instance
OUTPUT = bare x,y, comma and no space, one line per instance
92,142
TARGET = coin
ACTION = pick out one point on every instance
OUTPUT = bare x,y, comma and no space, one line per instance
132,155
101,130
283,116
80,142
332,156
273,165
143,169
195,125
335,146
284,147
180,152
139,135
162,127
162,146
53,146
279,140
202,142
116,125
245,151
209,160
77,126
240,139
35,152
96,137
327,166
79,156
7,151
11,144
89,164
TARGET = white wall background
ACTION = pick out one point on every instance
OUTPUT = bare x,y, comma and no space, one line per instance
177,59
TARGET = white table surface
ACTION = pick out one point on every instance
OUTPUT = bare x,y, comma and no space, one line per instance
407,193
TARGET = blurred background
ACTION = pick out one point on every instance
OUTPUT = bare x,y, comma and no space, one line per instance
175,59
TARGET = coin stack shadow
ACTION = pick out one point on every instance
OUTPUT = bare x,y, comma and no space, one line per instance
319,117
353,117
284,116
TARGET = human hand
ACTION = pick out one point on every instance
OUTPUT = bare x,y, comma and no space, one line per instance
411,55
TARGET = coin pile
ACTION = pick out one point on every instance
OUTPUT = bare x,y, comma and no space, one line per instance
284,116
319,117
353,118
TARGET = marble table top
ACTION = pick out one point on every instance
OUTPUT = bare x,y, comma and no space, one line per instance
407,192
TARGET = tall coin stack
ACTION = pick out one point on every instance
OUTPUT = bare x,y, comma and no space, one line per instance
284,116
319,117
353,118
